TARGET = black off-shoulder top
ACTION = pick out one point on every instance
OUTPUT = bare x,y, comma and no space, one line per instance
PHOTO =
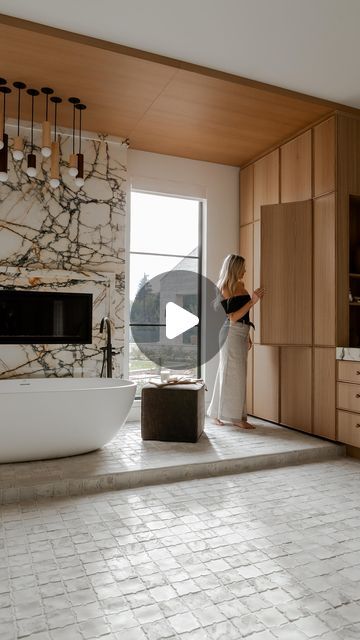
236,302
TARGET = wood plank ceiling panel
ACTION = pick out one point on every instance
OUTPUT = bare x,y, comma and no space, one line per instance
162,105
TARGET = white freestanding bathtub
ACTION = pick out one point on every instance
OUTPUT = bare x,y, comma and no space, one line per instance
55,417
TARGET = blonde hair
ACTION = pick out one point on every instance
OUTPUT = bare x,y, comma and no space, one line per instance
230,273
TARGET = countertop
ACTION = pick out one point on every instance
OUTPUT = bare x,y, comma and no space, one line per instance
348,353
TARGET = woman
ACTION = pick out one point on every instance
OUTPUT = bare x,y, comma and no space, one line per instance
229,398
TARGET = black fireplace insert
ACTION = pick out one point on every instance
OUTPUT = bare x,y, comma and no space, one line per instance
36,317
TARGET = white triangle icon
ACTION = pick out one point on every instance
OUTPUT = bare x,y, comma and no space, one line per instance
178,320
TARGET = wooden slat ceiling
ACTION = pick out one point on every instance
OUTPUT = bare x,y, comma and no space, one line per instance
161,105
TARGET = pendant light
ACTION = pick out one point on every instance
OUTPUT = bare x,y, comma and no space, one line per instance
18,148
46,127
79,180
55,150
73,169
31,159
2,81
4,149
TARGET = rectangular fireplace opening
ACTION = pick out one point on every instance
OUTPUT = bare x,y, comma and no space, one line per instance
33,317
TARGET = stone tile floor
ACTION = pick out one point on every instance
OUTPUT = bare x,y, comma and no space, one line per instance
128,455
264,555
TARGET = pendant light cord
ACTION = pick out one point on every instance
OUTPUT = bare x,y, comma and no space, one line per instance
80,132
55,132
73,129
32,124
18,123
4,106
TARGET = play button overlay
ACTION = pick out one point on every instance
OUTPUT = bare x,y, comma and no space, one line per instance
178,320
175,320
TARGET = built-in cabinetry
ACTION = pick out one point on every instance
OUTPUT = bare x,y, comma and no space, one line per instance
300,235
348,402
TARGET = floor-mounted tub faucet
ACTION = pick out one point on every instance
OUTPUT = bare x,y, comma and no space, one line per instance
108,349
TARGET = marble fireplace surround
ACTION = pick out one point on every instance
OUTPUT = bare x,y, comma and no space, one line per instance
68,239
64,359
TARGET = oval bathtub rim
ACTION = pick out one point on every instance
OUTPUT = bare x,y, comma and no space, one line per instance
26,385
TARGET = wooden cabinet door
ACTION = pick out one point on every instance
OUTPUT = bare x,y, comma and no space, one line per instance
247,195
324,271
246,250
295,387
266,182
324,157
257,308
266,382
324,392
296,169
286,273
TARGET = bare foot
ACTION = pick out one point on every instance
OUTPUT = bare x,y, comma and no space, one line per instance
243,424
219,422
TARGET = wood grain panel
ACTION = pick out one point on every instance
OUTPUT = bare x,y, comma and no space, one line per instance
348,371
266,382
163,105
266,182
296,384
296,169
247,195
348,396
349,428
246,250
324,392
324,270
257,258
324,157
286,273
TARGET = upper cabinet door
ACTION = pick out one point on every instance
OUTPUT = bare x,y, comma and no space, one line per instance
324,157
296,169
247,194
286,273
266,182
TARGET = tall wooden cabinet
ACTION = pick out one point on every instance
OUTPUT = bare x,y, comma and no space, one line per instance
299,229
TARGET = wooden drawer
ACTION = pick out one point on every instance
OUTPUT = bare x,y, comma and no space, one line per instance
349,428
348,371
348,396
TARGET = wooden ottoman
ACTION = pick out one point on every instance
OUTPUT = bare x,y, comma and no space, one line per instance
174,413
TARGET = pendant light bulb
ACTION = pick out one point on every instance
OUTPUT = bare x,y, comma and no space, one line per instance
79,181
46,152
18,154
1,144
3,176
54,183
31,165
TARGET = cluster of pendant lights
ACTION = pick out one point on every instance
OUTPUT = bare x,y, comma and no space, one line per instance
50,146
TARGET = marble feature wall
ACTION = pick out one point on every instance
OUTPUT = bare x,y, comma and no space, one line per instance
69,239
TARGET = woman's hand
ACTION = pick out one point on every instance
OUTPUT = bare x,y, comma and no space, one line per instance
250,343
257,295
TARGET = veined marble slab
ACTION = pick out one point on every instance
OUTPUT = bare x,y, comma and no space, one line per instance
348,353
75,360
70,239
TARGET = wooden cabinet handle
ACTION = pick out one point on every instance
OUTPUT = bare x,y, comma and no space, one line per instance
357,395
357,426
358,373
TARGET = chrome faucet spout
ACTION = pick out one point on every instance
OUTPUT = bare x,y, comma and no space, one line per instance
105,322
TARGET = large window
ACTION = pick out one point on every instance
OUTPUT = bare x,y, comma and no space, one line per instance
165,236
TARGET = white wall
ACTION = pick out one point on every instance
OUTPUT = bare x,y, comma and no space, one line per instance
217,184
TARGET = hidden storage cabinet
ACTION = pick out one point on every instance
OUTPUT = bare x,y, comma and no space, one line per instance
300,235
